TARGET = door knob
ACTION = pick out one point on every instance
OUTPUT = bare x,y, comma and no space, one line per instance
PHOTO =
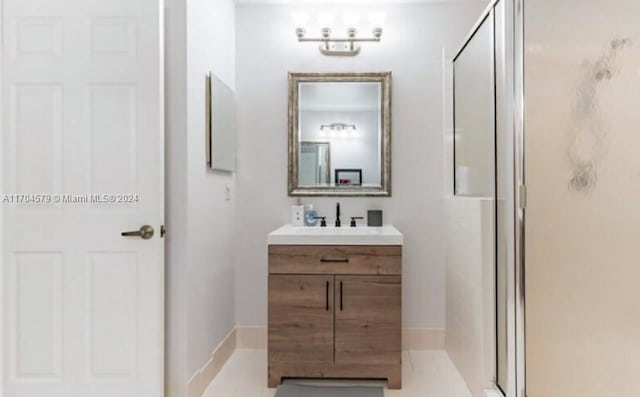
145,232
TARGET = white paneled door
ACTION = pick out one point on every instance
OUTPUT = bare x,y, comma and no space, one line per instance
82,161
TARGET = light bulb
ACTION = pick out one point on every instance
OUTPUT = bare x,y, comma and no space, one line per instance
300,19
377,19
351,20
326,19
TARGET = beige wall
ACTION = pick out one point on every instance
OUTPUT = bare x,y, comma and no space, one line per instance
582,234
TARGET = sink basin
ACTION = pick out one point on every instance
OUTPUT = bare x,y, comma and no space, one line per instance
361,235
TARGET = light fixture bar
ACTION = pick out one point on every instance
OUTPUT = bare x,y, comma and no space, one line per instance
328,46
340,40
338,126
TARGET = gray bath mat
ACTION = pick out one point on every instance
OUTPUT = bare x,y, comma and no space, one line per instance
293,390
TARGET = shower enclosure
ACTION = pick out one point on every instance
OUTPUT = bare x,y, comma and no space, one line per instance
483,74
581,162
546,117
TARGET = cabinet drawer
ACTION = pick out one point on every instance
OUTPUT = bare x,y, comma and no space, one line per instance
335,259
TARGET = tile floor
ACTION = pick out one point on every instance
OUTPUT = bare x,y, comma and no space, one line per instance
425,374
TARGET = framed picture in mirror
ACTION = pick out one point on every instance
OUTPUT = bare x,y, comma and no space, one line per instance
348,177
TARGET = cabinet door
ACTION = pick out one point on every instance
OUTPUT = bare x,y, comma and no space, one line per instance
301,318
368,320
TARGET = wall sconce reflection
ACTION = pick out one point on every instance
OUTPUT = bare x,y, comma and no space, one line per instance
338,127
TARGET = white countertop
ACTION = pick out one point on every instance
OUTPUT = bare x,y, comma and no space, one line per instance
346,235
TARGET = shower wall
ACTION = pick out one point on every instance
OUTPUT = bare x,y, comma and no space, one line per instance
582,170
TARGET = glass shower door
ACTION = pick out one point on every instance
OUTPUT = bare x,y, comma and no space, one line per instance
582,167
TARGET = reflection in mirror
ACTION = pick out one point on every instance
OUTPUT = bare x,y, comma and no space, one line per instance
315,163
347,117
351,177
339,135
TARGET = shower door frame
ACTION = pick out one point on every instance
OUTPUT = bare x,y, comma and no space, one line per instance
512,80
515,65
520,195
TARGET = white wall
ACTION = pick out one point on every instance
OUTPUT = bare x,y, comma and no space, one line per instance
411,48
200,275
176,198
211,47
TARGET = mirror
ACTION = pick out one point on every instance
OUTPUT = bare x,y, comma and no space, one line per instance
340,134
221,125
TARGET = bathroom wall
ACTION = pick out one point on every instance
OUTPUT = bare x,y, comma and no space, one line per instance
411,48
200,218
175,198
211,47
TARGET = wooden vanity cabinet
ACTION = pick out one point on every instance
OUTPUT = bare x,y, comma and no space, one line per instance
301,319
335,312
368,320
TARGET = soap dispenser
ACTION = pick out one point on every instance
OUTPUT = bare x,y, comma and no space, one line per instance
310,215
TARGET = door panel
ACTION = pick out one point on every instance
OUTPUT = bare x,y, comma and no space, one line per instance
38,315
301,319
582,172
368,319
82,133
113,319
112,115
39,147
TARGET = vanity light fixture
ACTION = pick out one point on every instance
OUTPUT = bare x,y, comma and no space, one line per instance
338,127
338,46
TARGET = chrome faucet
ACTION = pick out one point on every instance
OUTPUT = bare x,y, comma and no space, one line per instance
338,224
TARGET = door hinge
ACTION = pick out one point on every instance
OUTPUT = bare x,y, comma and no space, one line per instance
522,196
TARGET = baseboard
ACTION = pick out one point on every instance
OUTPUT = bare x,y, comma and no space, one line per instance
423,339
252,337
201,379
175,390
412,338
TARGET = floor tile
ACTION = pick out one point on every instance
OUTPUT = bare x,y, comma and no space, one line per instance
425,374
